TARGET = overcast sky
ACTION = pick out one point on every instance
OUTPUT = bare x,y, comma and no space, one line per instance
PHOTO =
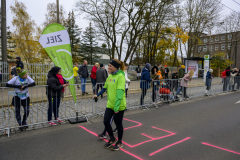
37,10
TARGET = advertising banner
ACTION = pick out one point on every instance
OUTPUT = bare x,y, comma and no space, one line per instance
193,65
55,40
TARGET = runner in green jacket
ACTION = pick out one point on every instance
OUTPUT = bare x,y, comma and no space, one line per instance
115,86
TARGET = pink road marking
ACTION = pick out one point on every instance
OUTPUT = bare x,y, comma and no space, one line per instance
151,138
169,146
139,124
220,148
162,129
147,136
131,154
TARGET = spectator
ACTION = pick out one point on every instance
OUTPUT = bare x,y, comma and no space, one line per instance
127,80
75,74
55,89
0,76
162,72
226,78
166,71
156,75
235,79
238,78
139,71
101,76
154,71
145,82
105,70
184,82
232,79
93,76
175,80
21,97
209,78
83,72
202,73
181,72
19,63
14,71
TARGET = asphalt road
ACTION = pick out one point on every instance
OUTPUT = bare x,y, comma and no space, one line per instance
203,129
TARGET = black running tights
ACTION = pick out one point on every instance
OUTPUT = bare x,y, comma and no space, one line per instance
118,118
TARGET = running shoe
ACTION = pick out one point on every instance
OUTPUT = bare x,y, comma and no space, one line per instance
59,120
110,143
52,123
102,136
25,126
21,128
117,146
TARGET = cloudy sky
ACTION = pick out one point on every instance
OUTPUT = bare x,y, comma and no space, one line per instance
37,10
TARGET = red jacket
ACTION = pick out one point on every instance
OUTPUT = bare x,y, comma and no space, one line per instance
93,72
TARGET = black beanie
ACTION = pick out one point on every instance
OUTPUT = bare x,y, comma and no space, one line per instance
18,58
54,70
101,65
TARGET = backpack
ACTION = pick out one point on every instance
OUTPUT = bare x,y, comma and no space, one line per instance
224,74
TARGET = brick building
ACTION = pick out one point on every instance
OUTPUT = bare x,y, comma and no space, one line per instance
228,43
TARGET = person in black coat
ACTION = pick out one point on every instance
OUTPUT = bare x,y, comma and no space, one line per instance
139,71
166,71
175,80
55,89
19,63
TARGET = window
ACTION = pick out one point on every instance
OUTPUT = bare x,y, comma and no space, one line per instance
199,49
210,48
229,46
216,47
205,40
205,48
216,38
223,46
211,39
223,38
229,37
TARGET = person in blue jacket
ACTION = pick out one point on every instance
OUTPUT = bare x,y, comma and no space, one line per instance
145,82
209,78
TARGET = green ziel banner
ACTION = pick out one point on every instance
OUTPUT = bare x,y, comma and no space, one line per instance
55,40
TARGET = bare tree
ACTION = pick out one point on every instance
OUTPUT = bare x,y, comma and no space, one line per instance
200,15
231,27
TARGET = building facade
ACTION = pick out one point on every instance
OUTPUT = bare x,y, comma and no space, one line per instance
228,43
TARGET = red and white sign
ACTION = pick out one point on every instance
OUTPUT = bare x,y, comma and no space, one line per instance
193,65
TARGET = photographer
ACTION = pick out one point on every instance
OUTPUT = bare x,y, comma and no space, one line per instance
21,98
55,90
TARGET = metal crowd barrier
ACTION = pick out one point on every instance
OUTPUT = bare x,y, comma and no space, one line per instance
165,91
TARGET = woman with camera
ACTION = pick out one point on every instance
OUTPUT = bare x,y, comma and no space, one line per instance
55,89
